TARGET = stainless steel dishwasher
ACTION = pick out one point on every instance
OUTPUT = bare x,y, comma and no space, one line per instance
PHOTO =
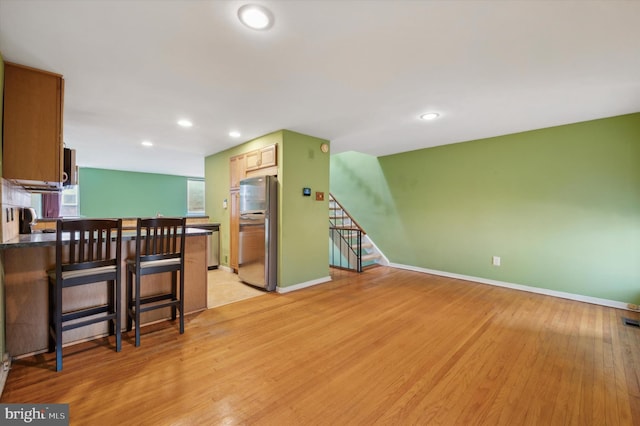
213,244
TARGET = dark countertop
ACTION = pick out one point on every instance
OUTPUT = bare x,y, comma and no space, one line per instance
54,219
208,226
43,239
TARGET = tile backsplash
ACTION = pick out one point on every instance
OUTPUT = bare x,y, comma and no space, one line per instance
14,198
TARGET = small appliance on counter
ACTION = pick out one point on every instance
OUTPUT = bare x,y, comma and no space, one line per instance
28,218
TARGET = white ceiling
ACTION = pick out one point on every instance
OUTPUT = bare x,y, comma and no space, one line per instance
358,73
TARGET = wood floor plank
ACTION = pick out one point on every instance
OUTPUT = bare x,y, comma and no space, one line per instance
387,347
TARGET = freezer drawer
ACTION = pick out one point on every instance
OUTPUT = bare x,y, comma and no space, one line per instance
251,259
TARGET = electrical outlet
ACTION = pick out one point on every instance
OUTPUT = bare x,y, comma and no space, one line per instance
495,260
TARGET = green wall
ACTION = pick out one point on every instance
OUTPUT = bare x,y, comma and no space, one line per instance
560,206
302,222
114,193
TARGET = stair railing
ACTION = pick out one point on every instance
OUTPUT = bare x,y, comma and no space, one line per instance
345,253
346,239
343,215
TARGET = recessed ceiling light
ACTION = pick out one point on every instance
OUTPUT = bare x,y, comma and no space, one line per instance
147,143
255,16
429,116
234,134
185,123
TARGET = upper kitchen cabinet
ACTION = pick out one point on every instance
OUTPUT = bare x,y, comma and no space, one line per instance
32,152
262,158
237,170
258,162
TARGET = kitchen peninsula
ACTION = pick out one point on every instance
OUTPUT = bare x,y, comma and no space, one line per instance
26,261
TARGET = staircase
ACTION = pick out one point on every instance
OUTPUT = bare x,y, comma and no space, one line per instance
349,246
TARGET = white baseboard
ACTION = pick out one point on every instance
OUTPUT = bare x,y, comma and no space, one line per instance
300,286
225,268
538,290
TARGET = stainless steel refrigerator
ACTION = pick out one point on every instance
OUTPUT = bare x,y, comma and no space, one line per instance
258,249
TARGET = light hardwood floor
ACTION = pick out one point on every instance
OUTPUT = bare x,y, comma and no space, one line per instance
383,347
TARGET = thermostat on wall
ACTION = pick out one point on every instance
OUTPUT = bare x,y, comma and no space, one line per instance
306,192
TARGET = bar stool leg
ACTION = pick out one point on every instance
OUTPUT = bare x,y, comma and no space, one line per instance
137,313
118,314
182,302
129,299
111,303
174,291
58,325
51,323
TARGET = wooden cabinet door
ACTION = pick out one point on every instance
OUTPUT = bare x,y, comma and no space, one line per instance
268,156
234,230
261,158
237,166
32,148
253,160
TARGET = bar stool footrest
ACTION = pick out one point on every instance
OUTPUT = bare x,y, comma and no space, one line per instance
78,324
87,312
156,298
170,304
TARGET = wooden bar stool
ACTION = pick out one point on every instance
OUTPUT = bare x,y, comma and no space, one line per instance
94,255
157,251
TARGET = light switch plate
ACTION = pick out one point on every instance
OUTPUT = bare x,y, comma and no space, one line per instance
319,196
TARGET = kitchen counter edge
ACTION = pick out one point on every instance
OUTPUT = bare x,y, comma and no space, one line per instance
42,239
